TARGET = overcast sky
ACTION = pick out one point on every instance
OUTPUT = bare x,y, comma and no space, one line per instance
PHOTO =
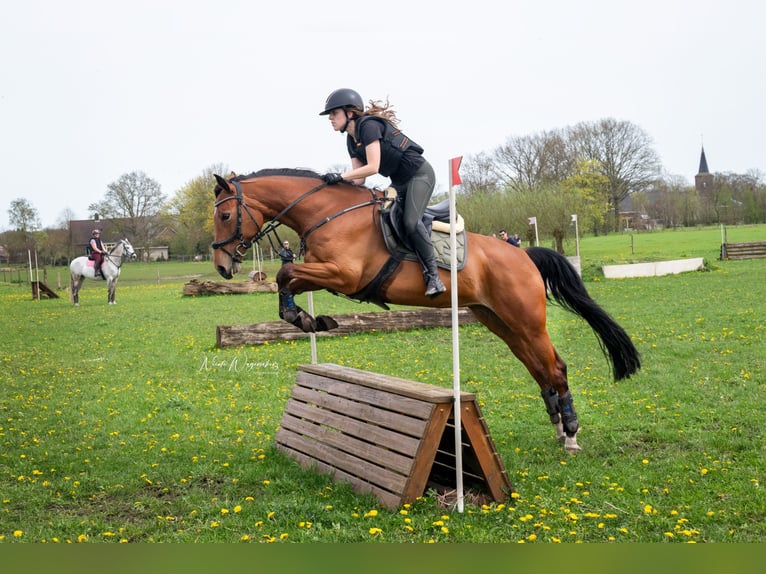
93,89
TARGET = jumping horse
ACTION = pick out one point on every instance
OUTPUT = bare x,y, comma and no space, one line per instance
506,288
82,267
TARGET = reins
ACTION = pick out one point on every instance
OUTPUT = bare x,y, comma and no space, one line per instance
109,255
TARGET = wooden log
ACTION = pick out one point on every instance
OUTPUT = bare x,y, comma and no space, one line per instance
195,287
260,333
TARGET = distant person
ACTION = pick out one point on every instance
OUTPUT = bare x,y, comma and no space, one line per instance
96,252
286,254
515,241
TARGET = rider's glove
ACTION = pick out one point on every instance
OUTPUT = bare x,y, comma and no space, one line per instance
332,178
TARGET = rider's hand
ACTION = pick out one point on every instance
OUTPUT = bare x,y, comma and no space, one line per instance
332,178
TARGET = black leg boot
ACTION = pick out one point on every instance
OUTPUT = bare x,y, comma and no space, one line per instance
422,246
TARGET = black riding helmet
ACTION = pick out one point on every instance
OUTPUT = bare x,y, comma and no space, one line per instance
342,98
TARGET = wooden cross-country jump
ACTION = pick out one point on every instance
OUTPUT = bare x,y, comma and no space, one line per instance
386,436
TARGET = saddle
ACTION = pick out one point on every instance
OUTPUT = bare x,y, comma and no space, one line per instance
436,220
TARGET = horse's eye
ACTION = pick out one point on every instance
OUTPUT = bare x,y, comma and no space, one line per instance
226,216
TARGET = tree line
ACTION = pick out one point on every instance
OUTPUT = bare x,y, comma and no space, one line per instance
607,172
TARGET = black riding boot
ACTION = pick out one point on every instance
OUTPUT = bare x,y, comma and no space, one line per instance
421,243
434,285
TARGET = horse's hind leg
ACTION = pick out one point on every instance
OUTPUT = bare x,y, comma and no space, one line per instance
533,347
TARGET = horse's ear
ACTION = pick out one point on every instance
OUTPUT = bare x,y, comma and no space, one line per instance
221,184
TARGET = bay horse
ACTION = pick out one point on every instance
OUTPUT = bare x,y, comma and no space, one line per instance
506,288
82,267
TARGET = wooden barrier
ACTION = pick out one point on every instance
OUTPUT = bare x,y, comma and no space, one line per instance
747,250
260,333
387,436
40,288
195,287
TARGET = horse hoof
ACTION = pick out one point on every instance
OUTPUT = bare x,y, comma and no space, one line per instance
571,446
289,314
326,323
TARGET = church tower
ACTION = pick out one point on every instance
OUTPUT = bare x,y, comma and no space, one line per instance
703,181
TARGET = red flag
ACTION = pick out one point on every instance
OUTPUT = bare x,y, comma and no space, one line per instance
454,170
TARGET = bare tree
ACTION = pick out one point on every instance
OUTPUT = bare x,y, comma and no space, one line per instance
478,174
132,201
528,162
624,152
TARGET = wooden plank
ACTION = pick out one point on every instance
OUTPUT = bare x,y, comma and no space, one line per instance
361,449
406,445
350,464
383,399
387,419
387,498
395,385
492,467
416,484
384,321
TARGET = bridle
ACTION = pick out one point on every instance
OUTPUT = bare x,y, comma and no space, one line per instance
108,255
244,244
271,227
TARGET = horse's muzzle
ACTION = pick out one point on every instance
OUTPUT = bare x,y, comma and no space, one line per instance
224,272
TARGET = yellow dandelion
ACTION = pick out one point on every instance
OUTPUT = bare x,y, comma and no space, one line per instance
18,533
82,538
375,531
245,537
371,513
237,509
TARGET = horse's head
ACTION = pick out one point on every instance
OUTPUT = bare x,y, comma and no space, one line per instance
128,249
235,225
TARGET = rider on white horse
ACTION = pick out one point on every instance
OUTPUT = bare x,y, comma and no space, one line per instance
96,252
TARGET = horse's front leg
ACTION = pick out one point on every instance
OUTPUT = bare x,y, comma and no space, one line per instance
294,314
111,285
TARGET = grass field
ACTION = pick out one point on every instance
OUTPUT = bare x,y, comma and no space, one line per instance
126,424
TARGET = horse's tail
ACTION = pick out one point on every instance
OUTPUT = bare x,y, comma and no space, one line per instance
568,290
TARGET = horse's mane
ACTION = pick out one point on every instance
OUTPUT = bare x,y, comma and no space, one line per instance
284,171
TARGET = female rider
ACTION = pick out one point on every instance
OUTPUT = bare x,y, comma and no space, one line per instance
377,146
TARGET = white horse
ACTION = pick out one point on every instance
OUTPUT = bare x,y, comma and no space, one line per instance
83,267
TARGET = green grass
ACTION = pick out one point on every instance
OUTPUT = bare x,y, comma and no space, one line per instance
126,423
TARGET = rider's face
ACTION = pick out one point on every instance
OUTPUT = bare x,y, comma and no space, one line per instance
338,119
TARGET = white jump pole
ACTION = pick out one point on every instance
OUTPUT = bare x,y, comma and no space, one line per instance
454,179
312,336
533,221
577,234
